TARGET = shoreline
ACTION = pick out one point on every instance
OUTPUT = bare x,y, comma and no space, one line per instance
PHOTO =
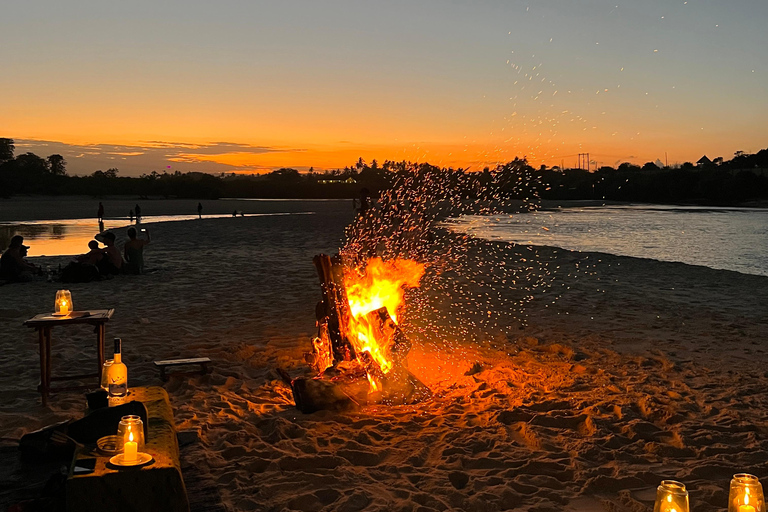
30,205
339,206
78,207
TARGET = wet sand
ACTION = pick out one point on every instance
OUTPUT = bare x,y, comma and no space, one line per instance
621,372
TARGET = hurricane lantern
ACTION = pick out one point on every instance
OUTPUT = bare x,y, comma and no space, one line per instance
130,438
746,494
671,496
63,305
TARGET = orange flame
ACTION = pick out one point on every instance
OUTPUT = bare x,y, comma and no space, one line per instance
381,284
374,387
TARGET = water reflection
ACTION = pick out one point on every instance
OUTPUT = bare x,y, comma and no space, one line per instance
55,238
722,238
69,237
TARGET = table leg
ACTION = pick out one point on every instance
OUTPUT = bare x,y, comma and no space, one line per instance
43,368
48,371
100,335
47,351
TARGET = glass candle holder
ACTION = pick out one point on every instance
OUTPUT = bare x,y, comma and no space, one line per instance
63,305
671,496
746,494
105,374
130,438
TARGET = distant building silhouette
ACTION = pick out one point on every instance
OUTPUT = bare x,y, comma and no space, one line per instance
703,161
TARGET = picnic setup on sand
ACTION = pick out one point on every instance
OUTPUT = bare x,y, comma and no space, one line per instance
123,454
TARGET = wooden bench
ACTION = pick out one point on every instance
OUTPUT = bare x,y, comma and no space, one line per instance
172,363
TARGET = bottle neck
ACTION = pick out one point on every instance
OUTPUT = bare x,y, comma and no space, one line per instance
118,358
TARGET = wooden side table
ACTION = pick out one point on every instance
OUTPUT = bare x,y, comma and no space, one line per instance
44,324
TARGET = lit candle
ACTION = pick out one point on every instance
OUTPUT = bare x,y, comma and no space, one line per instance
131,449
746,494
668,505
746,507
64,307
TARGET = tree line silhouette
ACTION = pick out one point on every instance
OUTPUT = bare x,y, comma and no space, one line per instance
719,182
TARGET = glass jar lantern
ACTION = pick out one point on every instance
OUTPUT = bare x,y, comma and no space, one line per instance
746,494
63,305
130,438
671,496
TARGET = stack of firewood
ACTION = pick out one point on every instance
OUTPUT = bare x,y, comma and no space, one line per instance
346,379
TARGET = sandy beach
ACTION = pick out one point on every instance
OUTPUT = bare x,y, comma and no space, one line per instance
620,372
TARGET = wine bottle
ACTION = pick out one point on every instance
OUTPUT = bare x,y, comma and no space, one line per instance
118,373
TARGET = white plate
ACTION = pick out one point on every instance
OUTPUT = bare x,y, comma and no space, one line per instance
142,459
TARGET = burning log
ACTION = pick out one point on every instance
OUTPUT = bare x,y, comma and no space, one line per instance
398,386
390,336
334,308
360,358
335,390
321,356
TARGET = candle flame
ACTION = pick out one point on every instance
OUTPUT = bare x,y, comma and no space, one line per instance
746,497
130,436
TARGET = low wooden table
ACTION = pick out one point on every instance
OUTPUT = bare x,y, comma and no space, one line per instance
155,487
44,324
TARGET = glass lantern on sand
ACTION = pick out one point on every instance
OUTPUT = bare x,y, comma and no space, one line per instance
671,496
746,494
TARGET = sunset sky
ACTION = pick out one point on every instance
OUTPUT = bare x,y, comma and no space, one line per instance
250,86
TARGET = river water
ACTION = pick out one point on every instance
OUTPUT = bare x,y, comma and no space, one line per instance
721,238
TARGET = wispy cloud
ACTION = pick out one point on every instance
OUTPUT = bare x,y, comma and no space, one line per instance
147,156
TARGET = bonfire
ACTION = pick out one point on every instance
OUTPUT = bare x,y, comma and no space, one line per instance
359,355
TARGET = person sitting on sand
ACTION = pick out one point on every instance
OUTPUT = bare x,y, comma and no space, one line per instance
112,261
85,268
134,252
13,267
94,256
